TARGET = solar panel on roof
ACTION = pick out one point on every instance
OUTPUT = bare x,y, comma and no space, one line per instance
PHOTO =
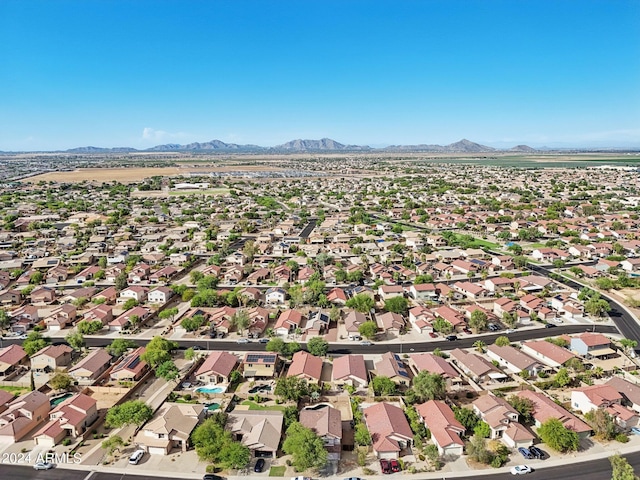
257,357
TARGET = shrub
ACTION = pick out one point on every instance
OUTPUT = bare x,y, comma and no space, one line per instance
622,438
368,471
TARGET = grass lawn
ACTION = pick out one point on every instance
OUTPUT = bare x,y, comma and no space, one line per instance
15,390
277,471
478,242
254,406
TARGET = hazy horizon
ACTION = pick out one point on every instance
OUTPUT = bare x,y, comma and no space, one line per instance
381,72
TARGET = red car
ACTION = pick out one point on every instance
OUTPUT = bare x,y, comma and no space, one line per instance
433,334
395,466
384,466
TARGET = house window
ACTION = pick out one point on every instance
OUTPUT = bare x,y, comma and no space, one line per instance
161,435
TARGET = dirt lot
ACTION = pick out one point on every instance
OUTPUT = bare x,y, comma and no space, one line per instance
135,174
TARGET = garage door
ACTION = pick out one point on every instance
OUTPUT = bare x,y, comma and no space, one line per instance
157,451
388,455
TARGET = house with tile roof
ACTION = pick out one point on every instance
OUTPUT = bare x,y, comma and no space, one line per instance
51,357
288,322
389,429
326,422
260,431
71,418
170,428
217,367
544,408
548,353
89,369
306,366
131,368
393,367
445,430
514,360
630,392
477,368
429,362
12,359
22,415
594,397
350,370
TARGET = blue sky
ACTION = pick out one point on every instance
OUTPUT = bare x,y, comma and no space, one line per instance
144,72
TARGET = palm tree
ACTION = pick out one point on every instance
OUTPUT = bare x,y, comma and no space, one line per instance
480,346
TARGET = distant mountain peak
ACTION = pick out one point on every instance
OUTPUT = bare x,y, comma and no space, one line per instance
324,144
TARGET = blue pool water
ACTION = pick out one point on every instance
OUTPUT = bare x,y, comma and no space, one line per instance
210,389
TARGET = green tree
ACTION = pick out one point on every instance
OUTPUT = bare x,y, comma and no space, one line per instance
383,386
524,407
318,346
425,278
276,345
478,321
61,381
291,388
482,429
158,351
290,415
478,451
442,326
5,320
429,386
361,302
121,281
603,424
120,345
168,371
305,447
361,435
129,304
191,324
240,320
466,417
34,343
397,305
502,341
189,354
558,437
368,329
89,327
621,470
133,412
75,340
597,307
562,378
168,313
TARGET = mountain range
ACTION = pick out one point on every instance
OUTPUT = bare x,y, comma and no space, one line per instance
300,146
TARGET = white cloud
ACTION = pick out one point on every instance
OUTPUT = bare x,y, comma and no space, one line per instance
151,134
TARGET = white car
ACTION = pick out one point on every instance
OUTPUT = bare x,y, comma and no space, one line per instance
43,466
366,343
300,478
136,456
520,470
510,330
243,340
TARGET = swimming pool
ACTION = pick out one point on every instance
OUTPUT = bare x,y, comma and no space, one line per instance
213,407
57,401
211,389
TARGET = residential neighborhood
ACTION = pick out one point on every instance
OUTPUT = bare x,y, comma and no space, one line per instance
426,319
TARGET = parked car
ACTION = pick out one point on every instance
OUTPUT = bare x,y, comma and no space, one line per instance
243,340
43,466
451,338
520,470
136,456
197,347
433,334
549,325
466,330
212,476
525,453
300,478
384,466
264,340
259,465
353,478
635,430
536,452
510,330
366,343
395,466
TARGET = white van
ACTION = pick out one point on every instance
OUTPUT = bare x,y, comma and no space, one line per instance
136,456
